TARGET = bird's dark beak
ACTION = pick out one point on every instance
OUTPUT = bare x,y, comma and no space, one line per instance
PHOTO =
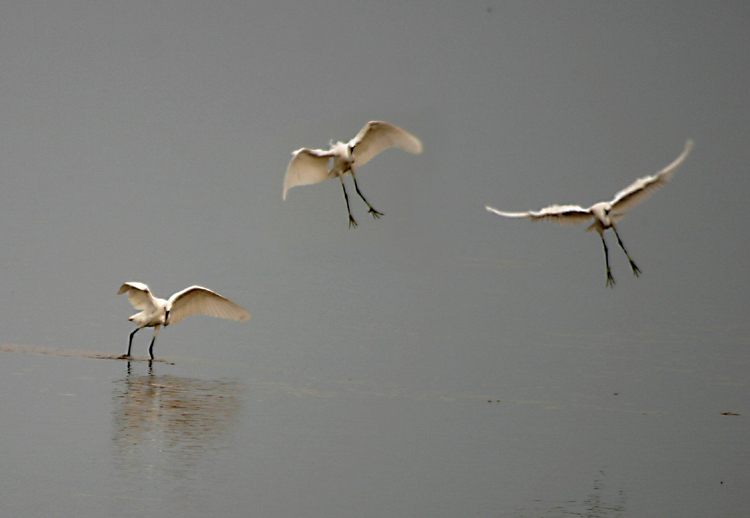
166,318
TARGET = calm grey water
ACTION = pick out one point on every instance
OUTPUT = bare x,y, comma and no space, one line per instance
438,362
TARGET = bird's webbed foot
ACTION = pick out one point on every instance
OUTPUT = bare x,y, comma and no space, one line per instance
375,213
352,222
610,280
124,357
636,270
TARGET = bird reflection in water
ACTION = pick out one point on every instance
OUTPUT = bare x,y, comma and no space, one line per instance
602,502
166,423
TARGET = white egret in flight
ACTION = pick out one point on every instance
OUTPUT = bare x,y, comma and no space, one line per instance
310,166
605,213
156,312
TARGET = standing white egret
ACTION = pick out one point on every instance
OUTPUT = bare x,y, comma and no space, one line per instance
605,213
158,312
310,166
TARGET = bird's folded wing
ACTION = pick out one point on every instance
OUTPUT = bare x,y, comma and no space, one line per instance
644,187
197,299
307,166
138,294
377,136
560,214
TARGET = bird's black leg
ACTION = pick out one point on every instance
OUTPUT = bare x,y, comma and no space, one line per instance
636,271
352,223
375,214
151,347
610,279
130,343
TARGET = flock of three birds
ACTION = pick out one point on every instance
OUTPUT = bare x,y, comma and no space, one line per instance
309,166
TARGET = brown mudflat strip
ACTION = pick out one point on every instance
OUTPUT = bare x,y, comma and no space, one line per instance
68,353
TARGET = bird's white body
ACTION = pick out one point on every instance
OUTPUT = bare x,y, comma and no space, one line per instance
605,213
309,166
154,308
602,220
343,160
156,312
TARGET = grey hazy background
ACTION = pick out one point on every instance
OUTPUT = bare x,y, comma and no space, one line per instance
148,141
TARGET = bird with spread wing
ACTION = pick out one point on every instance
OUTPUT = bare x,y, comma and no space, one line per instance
309,166
156,312
605,213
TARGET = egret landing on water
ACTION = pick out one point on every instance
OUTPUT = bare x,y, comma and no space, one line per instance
310,166
605,213
158,312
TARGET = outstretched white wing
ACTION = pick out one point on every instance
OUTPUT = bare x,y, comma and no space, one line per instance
139,295
644,187
306,167
197,299
377,136
560,214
